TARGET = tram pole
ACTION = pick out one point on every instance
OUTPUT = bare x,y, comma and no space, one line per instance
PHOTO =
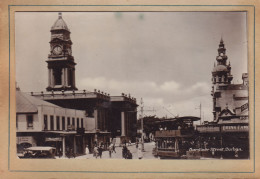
142,124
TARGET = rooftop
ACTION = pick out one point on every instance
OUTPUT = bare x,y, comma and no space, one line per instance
28,104
60,24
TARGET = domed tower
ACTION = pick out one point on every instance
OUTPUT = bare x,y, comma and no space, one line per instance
221,77
60,61
221,73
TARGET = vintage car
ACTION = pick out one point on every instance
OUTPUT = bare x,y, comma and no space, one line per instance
39,152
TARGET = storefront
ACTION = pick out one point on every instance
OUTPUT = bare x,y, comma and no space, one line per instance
226,141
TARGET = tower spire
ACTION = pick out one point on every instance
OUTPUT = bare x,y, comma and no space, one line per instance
221,39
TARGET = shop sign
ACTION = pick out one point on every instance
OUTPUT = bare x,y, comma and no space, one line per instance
25,139
237,128
53,139
208,129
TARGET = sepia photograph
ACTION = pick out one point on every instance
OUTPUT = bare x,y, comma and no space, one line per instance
132,85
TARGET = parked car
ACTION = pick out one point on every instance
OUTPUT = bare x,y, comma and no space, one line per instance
39,152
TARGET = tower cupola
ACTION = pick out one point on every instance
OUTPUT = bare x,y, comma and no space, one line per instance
221,73
60,24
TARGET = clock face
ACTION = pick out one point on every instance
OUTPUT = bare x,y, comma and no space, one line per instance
57,50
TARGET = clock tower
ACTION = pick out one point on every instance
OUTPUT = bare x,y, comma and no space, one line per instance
60,61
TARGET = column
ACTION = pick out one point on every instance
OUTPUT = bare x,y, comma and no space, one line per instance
63,146
96,118
122,123
49,122
49,79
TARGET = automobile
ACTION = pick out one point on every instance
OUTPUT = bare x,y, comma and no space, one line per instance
39,152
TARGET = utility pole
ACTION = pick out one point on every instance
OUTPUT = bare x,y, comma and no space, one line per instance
200,111
142,123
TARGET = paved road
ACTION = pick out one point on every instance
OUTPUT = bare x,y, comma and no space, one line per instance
147,154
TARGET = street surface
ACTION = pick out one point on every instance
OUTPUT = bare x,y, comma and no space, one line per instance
147,154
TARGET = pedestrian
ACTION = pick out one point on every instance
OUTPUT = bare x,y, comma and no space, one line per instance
129,155
124,151
110,149
140,153
100,150
95,152
72,153
129,142
60,153
114,148
136,144
87,152
236,153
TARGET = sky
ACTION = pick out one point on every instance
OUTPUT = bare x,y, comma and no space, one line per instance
166,58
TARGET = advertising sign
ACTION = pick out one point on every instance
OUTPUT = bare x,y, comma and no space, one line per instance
235,128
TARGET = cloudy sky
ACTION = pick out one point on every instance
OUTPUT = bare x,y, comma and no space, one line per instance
166,58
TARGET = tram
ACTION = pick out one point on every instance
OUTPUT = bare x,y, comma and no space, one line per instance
175,137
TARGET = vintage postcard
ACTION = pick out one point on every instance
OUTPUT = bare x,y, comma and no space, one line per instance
129,90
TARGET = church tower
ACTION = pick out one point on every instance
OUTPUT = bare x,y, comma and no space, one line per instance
221,78
60,61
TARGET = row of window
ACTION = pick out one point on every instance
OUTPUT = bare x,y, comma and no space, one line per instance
29,121
60,125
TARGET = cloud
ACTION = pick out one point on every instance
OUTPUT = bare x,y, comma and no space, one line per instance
170,86
182,99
